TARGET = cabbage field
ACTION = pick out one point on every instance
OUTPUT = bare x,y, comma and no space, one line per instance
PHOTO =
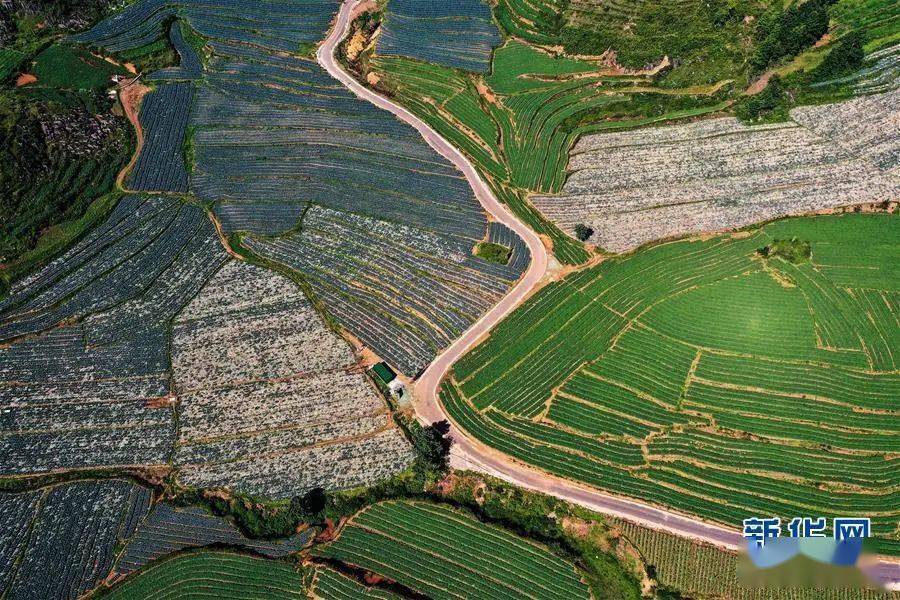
60,542
164,116
453,34
279,412
648,184
280,149
85,340
703,377
418,545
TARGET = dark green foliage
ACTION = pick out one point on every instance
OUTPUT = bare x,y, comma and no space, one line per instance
433,444
151,57
771,104
64,12
311,505
583,232
494,253
46,181
783,33
844,58
260,519
792,250
668,593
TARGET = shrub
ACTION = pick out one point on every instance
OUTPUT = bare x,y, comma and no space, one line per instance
771,104
583,232
845,57
792,250
783,33
494,253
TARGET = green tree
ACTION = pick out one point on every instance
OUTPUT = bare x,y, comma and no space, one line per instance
844,58
583,232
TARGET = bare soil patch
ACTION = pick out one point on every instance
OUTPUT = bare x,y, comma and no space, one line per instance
25,79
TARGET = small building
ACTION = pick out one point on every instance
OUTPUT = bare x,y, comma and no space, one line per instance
384,373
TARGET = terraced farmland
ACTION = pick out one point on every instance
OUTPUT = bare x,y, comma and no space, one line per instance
383,204
643,185
169,529
518,123
699,376
417,544
706,571
281,148
164,116
273,24
404,291
331,585
279,412
84,370
213,574
454,34
59,542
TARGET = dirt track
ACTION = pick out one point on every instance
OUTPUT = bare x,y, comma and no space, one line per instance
469,453
130,96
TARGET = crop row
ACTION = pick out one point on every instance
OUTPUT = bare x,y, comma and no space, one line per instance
711,377
213,574
725,175
189,66
577,322
458,34
729,451
344,153
341,465
404,292
164,117
272,331
331,585
277,25
62,540
280,388
82,394
169,529
418,545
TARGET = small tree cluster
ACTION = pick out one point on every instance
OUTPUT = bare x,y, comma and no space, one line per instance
844,58
784,32
583,232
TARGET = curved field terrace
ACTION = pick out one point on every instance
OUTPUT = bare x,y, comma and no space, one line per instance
713,377
647,184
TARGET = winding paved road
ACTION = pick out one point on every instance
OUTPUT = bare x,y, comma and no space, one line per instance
469,453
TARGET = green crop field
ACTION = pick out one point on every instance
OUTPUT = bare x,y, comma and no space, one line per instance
445,553
70,68
700,376
701,570
9,60
213,574
331,585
